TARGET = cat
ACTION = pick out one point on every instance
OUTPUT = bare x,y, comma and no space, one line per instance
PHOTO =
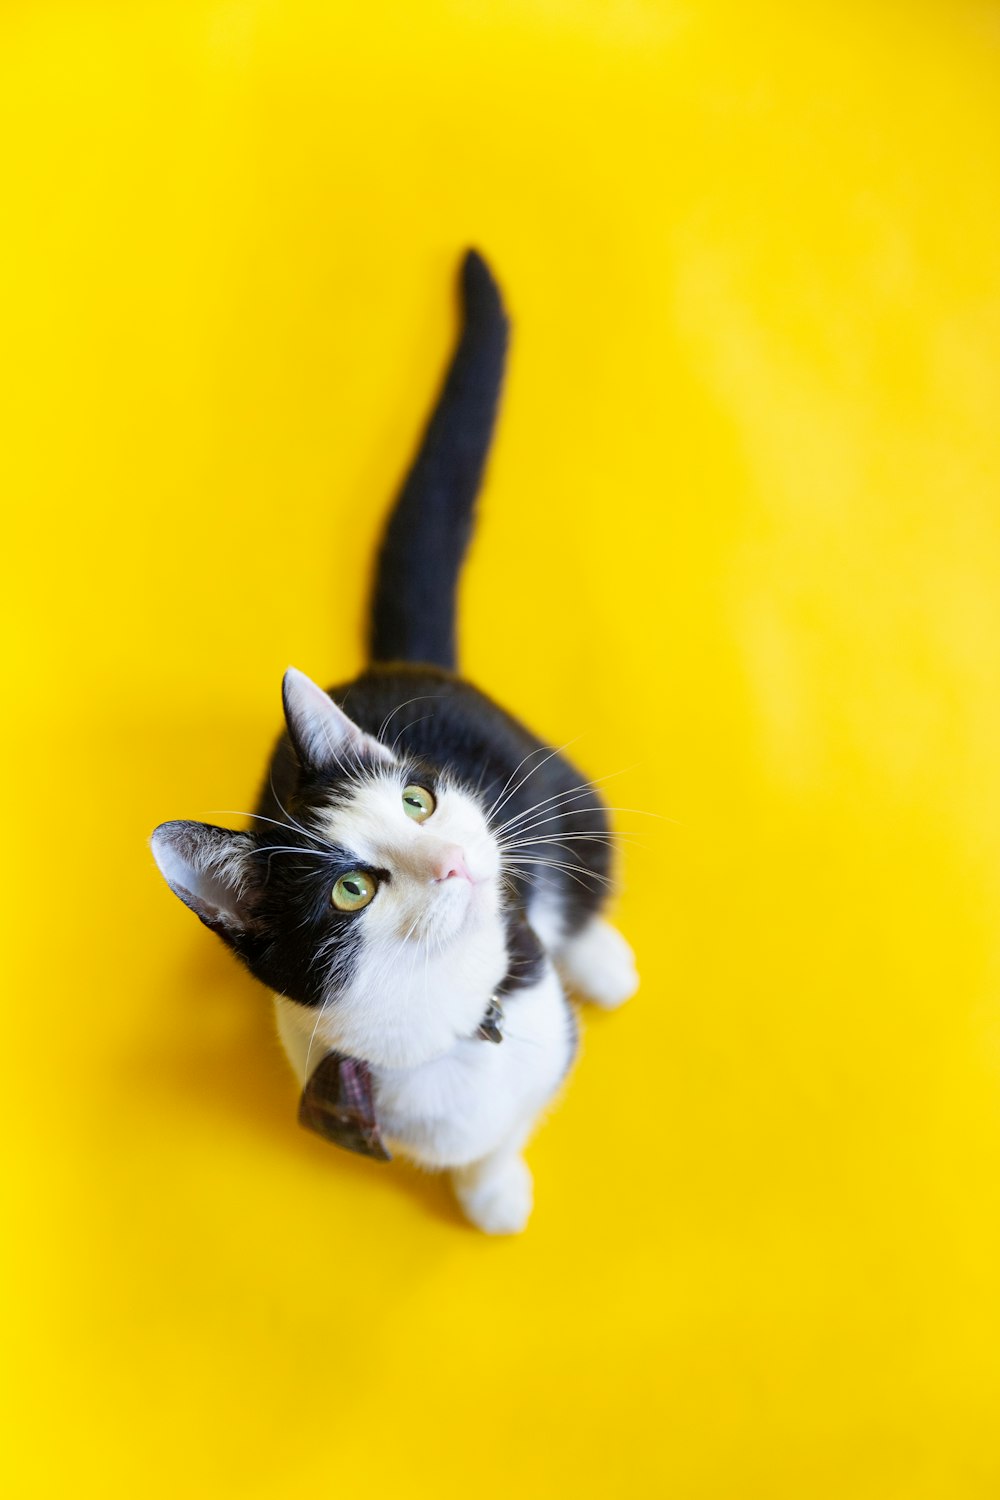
423,874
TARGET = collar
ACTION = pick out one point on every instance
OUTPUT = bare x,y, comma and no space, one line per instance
337,1101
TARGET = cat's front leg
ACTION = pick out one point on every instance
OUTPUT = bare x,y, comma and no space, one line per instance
497,1192
598,964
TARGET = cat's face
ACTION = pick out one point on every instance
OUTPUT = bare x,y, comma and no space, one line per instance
374,902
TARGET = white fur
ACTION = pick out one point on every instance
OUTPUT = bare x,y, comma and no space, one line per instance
497,1193
473,1107
433,952
546,918
598,964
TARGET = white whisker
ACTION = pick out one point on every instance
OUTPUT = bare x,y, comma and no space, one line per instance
234,812
524,779
392,714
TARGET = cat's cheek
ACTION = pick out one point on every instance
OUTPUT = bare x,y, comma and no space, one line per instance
485,904
485,862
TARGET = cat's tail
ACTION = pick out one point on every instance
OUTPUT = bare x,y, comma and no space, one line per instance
413,609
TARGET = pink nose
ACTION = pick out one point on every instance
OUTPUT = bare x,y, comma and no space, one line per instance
450,863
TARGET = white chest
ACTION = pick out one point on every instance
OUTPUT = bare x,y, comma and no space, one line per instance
458,1107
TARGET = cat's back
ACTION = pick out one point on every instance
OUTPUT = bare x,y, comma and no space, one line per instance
439,717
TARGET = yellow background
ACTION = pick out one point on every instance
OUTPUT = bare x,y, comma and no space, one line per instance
740,535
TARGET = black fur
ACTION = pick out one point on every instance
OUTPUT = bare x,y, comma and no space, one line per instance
446,724
276,885
413,609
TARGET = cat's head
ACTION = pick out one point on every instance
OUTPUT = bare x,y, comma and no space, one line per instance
373,899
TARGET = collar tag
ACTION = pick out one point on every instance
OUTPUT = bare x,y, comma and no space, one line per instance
489,1027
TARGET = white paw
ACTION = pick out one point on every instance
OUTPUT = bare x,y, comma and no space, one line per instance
599,964
499,1202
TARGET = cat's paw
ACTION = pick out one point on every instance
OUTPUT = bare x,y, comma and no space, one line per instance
599,965
498,1202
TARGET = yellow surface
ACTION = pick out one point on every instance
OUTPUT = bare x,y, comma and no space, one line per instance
741,535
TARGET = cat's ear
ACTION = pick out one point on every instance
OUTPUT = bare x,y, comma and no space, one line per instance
325,739
211,870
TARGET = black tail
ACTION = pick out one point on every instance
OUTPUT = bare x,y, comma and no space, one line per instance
413,611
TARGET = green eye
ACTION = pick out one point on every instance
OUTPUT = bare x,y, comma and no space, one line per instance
353,891
418,803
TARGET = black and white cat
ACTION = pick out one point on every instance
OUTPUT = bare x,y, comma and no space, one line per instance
422,869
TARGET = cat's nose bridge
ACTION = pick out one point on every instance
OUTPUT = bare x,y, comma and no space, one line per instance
436,860
449,864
